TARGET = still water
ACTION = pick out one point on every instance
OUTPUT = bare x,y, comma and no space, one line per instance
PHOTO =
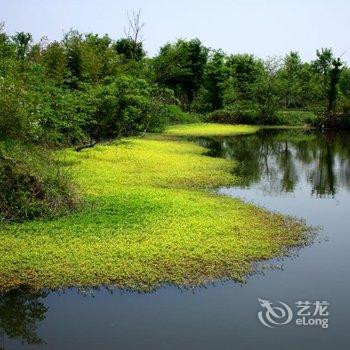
304,174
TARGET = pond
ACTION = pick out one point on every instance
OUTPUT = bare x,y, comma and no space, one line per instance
300,173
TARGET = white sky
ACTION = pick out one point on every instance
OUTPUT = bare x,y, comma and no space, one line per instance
261,27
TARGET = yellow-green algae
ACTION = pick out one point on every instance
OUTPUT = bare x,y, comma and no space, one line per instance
150,219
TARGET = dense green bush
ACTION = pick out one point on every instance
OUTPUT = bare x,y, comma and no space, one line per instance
124,105
19,112
175,115
233,116
291,118
32,185
296,118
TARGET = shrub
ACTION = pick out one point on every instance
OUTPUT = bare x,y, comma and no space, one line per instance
18,119
175,115
125,106
290,118
234,116
32,185
296,118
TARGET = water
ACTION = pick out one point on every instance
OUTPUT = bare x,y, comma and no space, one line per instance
305,174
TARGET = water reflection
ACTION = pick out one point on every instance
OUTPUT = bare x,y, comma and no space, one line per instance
20,313
279,160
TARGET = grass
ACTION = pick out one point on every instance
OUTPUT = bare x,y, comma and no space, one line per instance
149,219
210,129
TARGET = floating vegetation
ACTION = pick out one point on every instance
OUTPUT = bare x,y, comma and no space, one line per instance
151,219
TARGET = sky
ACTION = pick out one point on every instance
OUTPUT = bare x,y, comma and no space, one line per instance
260,27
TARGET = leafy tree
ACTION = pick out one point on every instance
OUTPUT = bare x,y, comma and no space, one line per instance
329,70
129,49
7,47
264,90
290,78
322,67
344,88
211,95
131,46
98,58
334,77
245,72
22,41
19,119
72,45
180,66
55,60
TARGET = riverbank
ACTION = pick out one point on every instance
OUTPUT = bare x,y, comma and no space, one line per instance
150,218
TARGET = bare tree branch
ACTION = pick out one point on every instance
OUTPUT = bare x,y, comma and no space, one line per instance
88,145
135,26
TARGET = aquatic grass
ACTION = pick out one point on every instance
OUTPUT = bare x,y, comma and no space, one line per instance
150,218
210,129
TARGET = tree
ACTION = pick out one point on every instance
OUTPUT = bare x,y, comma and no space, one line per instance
7,47
264,90
131,46
129,49
322,66
334,77
72,45
329,69
344,88
244,72
215,74
180,66
55,60
96,57
22,41
290,79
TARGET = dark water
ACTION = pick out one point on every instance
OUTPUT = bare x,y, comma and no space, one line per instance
306,174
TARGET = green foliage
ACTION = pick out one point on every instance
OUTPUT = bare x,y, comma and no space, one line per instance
334,77
211,95
22,41
234,116
31,184
55,60
297,118
124,106
175,115
18,107
180,66
288,118
7,46
344,90
296,83
77,90
244,72
129,49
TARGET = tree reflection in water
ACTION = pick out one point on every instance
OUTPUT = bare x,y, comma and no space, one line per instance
20,312
279,159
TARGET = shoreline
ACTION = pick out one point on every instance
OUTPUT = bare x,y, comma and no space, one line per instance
150,221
